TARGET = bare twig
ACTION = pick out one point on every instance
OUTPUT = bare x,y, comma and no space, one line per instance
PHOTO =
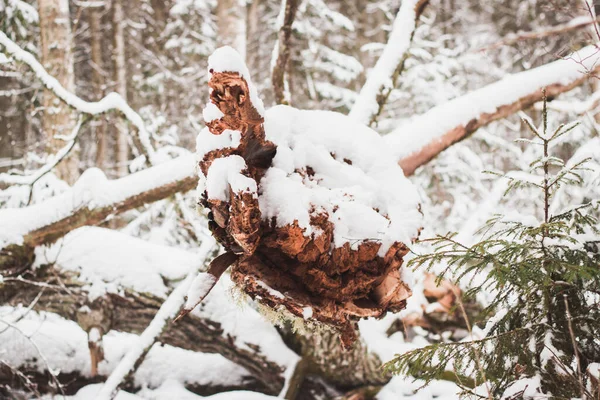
112,101
53,161
40,353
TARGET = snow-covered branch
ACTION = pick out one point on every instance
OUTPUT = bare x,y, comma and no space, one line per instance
382,78
112,101
165,314
425,136
92,200
574,24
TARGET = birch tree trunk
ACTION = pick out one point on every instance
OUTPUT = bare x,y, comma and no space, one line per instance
120,78
98,80
57,57
231,25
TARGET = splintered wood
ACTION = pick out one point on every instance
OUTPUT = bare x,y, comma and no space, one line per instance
283,266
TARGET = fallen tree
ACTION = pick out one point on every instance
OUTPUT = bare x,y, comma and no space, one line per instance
415,144
92,200
423,137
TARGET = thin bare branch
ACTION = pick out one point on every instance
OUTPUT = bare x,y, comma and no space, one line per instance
167,311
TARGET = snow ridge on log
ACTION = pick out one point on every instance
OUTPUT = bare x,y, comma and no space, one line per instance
325,225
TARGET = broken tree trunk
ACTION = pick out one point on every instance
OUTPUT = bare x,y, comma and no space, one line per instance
283,265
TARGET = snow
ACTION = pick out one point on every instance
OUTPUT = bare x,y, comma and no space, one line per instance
307,312
199,288
525,388
226,59
272,292
170,389
396,49
347,193
27,11
211,112
109,260
400,388
225,174
425,128
92,190
246,326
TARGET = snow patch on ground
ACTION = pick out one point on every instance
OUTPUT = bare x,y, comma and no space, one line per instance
65,346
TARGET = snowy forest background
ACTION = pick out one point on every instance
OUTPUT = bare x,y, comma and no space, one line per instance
98,219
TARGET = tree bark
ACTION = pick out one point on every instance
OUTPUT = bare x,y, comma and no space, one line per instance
98,81
283,52
120,78
132,312
57,57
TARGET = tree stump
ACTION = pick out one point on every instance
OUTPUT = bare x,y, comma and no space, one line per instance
316,213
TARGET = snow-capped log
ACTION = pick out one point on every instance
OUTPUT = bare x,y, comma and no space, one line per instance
315,208
423,137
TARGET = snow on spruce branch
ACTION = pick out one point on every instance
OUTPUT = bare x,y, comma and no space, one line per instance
423,137
112,101
369,103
